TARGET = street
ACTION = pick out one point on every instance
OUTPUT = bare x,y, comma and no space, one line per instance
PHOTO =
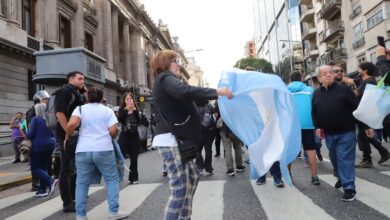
222,197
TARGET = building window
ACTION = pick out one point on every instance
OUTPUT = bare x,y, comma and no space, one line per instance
358,30
373,57
28,17
361,58
88,40
65,32
375,19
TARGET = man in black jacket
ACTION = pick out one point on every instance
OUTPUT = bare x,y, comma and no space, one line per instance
332,108
67,99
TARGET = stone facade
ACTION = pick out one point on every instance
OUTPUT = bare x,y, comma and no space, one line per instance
120,31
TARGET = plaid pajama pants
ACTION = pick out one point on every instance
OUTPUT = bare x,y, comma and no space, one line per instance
183,180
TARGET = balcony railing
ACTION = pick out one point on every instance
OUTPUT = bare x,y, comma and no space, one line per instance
332,31
307,13
358,43
33,43
308,31
330,9
335,55
47,47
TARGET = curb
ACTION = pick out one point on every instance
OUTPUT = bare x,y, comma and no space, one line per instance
15,183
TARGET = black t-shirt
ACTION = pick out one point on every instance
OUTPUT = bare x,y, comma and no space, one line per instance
62,104
362,86
129,122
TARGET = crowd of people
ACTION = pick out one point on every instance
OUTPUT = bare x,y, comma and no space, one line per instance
90,138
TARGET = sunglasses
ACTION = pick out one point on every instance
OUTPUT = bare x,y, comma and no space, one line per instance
338,71
175,61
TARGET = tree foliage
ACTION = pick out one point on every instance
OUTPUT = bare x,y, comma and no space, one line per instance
260,65
283,69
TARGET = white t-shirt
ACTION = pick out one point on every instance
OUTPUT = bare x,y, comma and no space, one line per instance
95,121
164,140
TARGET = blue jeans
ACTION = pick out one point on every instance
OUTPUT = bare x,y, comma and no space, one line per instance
275,171
105,162
342,153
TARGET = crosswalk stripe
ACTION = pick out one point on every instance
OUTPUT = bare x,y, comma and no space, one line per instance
287,203
129,199
8,201
386,173
371,194
208,200
45,209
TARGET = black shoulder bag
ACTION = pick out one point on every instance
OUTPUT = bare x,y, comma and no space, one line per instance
188,148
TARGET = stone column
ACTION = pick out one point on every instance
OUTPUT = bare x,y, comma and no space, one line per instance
13,11
78,25
51,23
39,29
138,56
126,45
115,42
104,32
1,9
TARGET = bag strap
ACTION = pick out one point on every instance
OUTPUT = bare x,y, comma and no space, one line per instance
381,83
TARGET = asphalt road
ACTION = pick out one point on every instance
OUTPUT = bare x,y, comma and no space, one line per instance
222,197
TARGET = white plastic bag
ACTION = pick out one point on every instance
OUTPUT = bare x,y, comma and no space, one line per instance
374,105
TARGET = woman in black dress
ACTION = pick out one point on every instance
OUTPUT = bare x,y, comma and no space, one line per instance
129,140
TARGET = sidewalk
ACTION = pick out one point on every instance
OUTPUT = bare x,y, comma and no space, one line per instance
12,175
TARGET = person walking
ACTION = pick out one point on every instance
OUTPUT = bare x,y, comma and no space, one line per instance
42,145
68,97
129,140
302,96
16,135
177,118
95,150
332,107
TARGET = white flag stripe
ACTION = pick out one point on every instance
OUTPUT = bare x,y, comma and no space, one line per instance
8,201
45,209
208,201
371,194
129,199
386,173
287,203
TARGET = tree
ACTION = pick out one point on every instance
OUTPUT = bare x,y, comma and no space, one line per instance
260,65
283,69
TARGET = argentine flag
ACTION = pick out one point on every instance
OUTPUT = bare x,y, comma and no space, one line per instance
263,115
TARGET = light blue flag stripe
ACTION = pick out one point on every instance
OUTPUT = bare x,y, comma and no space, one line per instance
263,115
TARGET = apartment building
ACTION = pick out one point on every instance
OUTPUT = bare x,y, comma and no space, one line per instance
342,32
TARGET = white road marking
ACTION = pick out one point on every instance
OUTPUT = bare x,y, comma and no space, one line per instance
371,194
208,200
287,203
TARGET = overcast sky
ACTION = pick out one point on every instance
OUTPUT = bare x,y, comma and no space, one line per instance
219,27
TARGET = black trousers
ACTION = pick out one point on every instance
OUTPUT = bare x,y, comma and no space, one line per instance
364,145
67,175
130,144
206,143
217,141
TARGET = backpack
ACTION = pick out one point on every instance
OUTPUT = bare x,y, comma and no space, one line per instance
50,113
207,118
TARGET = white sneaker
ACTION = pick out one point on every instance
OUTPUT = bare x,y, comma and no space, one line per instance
118,215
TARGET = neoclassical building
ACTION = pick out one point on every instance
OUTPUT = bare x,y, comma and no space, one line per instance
111,41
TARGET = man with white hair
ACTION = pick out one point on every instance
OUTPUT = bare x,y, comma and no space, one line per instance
332,107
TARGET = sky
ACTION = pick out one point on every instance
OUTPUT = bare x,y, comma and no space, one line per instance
219,27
